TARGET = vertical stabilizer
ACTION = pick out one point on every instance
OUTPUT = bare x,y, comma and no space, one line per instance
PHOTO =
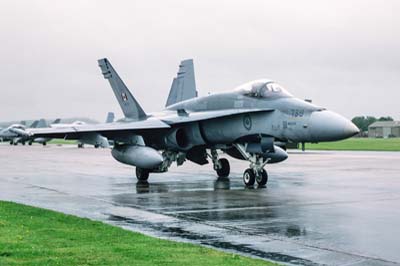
184,85
42,124
34,124
130,107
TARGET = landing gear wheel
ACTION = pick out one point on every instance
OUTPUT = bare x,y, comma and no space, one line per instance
262,179
225,168
249,177
96,146
80,145
30,143
44,143
142,174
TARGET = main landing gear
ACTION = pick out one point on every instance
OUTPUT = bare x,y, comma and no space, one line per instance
256,172
169,157
221,166
142,174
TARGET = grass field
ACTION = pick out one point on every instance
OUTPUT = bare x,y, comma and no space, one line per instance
33,236
358,144
62,142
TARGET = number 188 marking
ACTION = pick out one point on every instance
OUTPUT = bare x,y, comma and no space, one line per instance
296,113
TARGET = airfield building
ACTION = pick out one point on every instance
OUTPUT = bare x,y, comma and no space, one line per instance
384,129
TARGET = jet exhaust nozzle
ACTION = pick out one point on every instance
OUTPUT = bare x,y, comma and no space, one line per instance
139,156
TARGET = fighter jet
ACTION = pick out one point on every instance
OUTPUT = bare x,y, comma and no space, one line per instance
16,133
246,123
42,124
12,133
91,138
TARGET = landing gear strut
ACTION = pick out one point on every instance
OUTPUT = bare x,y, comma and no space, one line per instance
256,172
221,166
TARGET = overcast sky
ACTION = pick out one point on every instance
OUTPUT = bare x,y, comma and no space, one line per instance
345,55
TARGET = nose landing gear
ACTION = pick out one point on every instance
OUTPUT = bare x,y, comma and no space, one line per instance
250,177
256,172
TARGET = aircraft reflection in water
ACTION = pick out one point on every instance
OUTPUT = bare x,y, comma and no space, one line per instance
253,122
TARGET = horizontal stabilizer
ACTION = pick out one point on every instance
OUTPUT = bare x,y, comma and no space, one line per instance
130,107
184,85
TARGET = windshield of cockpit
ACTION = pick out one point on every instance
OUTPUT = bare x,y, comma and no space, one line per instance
265,90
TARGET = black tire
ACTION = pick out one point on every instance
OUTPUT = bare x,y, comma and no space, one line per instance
11,143
142,174
225,168
249,177
80,145
44,143
30,143
23,143
263,178
96,146
15,143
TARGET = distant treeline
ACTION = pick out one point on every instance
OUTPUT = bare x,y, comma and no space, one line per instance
363,122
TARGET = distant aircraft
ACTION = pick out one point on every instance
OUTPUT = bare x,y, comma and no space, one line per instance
16,133
13,133
246,123
42,124
91,138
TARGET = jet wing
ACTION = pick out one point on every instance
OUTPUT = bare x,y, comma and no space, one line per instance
108,130
183,117
141,127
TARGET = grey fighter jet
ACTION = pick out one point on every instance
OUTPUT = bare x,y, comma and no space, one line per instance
16,133
13,133
42,124
246,123
91,138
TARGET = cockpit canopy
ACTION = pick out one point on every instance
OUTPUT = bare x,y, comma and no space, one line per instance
264,89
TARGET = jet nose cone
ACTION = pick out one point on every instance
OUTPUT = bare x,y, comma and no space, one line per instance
329,126
350,129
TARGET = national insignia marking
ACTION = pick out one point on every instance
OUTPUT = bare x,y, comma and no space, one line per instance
124,97
247,122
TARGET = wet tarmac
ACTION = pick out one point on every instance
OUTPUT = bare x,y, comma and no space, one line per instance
333,208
